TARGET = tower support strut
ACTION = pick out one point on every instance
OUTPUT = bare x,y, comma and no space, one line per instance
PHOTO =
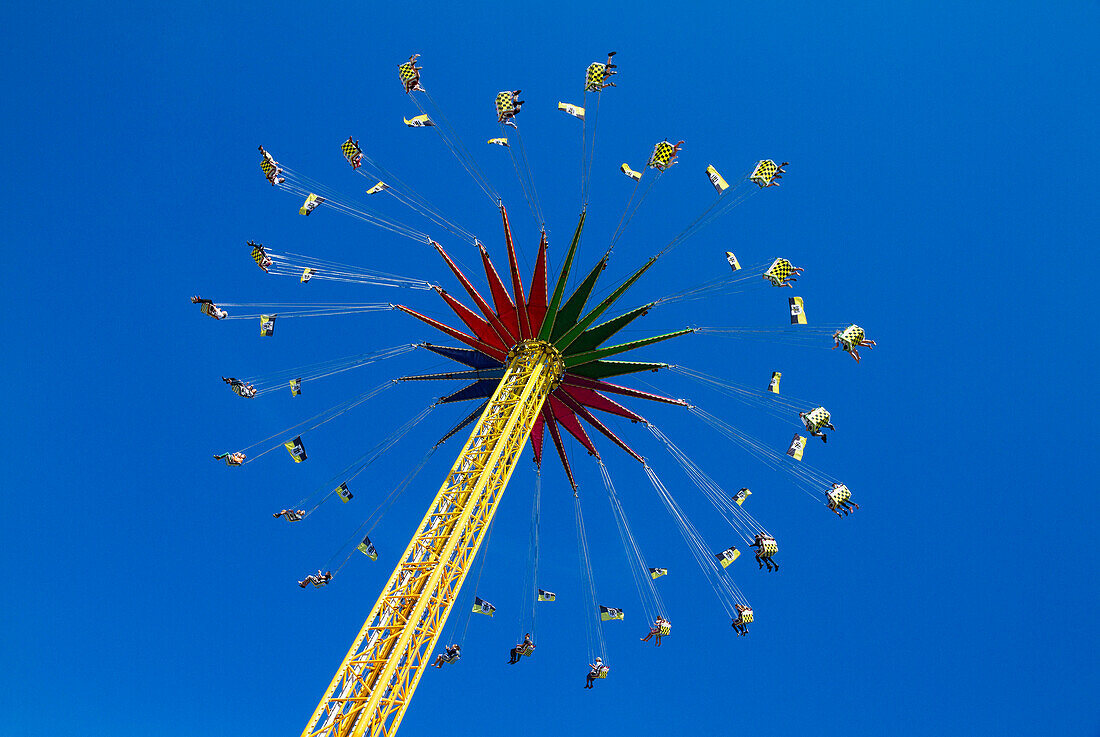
375,682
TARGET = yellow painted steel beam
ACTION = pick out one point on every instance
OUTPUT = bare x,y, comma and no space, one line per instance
377,678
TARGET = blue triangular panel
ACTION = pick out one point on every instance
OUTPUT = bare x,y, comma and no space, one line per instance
477,390
467,356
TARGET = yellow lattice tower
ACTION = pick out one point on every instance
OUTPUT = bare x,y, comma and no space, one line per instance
375,682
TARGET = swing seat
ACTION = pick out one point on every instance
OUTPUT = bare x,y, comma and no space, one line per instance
594,77
764,173
665,629
816,419
601,672
851,337
768,547
778,273
506,106
448,659
838,496
746,617
410,75
525,650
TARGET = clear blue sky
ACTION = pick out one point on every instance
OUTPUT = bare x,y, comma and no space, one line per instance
941,193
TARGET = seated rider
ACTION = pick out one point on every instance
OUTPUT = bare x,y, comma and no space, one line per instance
318,579
814,428
265,262
240,388
779,172
765,548
655,630
847,339
739,624
291,515
507,115
449,655
412,83
209,308
782,273
521,649
676,150
840,500
594,670
231,459
274,172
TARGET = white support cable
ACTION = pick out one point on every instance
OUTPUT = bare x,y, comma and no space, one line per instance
278,380
797,335
650,599
527,609
591,153
454,143
628,211
528,174
745,279
584,154
781,406
808,479
726,201
327,416
743,523
727,591
305,309
408,196
292,264
379,512
535,575
303,186
594,631
350,472
484,552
